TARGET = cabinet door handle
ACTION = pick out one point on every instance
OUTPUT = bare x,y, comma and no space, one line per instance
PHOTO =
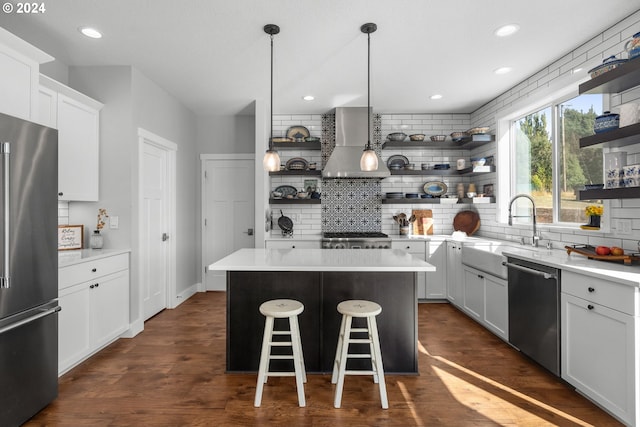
293,246
92,286
590,289
93,270
480,276
590,307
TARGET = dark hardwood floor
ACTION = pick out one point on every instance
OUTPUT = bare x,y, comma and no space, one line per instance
172,374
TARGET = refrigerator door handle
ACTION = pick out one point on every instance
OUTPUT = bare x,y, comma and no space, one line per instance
30,319
5,278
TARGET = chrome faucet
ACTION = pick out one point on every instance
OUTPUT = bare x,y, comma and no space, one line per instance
535,238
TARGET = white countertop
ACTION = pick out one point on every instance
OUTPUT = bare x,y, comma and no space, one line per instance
379,260
558,258
67,258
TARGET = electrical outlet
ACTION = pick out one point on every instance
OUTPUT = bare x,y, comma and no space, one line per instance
624,226
295,217
113,222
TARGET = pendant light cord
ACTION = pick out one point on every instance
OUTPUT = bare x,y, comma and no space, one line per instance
271,108
369,91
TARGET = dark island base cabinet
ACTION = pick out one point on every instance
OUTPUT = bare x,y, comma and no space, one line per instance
320,292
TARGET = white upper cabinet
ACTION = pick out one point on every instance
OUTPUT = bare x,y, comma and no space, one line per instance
19,75
77,118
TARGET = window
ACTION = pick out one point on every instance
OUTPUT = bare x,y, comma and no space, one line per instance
548,164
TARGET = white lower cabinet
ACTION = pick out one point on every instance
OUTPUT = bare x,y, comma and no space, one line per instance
94,301
454,273
485,299
600,343
473,294
417,249
436,281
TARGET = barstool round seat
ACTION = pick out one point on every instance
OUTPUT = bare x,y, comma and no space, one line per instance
280,308
359,308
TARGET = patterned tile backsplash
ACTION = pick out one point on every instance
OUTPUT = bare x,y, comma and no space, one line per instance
349,204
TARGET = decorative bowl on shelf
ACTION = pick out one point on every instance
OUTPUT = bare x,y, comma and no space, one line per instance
438,138
593,186
608,64
459,136
606,122
478,162
397,136
417,137
478,131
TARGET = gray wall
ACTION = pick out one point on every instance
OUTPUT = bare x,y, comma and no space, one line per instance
133,101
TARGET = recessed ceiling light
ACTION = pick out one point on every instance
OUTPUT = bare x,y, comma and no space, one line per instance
507,30
308,97
90,32
436,96
502,70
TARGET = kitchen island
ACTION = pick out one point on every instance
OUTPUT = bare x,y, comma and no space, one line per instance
320,279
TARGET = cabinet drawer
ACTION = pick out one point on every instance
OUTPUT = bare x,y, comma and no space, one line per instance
605,292
411,247
90,270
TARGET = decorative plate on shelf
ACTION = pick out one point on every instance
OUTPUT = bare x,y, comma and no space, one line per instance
435,188
397,162
281,139
297,164
286,190
298,133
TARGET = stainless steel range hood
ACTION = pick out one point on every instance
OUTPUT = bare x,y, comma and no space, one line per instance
351,138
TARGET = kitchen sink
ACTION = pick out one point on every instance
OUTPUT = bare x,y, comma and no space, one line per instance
487,256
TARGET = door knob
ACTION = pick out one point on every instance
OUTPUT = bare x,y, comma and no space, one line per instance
165,237
249,231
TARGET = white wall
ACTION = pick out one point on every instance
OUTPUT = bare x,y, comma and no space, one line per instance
132,101
158,112
551,78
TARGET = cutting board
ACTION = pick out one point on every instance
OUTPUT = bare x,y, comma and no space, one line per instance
423,224
467,221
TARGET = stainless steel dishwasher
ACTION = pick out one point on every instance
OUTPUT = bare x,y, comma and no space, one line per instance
534,311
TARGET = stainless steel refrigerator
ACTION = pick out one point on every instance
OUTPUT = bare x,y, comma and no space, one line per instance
28,269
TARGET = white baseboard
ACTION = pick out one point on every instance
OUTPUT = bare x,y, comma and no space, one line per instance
187,293
135,328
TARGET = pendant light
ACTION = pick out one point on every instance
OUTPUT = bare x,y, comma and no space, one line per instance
369,159
271,161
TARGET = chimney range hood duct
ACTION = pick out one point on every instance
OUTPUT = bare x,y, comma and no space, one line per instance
351,136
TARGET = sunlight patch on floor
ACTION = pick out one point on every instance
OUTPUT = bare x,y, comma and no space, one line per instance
473,395
410,404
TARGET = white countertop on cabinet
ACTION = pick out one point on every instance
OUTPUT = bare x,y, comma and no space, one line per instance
67,258
295,237
371,260
625,274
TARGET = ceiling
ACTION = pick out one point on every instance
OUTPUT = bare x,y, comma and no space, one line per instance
213,55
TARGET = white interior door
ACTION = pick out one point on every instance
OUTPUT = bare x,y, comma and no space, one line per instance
157,222
228,213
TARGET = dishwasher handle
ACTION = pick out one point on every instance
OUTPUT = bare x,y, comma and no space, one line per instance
531,270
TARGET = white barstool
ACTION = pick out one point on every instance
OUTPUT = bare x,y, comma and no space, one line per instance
369,310
281,308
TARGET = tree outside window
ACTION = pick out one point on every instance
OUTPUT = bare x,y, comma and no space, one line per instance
557,194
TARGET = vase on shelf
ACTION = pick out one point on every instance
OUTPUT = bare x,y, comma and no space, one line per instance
96,240
594,221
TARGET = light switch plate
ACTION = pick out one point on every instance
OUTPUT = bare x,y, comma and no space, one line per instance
113,222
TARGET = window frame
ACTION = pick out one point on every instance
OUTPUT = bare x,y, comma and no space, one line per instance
506,119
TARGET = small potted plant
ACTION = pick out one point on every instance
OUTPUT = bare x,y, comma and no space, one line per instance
96,240
594,212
